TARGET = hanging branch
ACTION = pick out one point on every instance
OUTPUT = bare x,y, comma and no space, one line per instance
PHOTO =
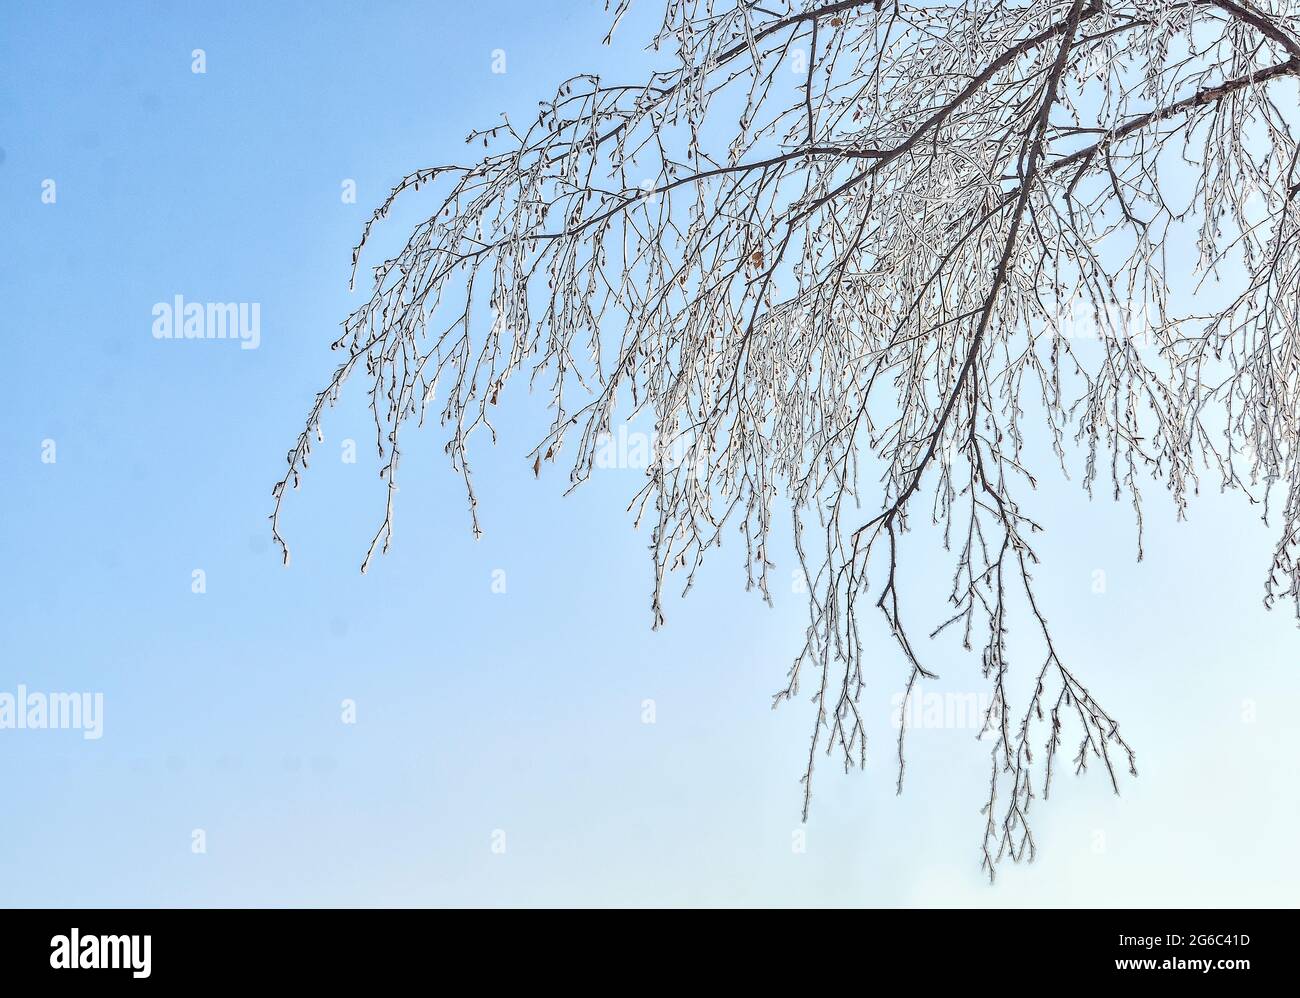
850,242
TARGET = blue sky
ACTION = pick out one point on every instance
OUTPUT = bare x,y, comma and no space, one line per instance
477,711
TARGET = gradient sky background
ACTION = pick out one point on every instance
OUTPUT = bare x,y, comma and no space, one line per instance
477,710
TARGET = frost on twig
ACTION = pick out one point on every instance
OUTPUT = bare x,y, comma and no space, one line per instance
835,252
